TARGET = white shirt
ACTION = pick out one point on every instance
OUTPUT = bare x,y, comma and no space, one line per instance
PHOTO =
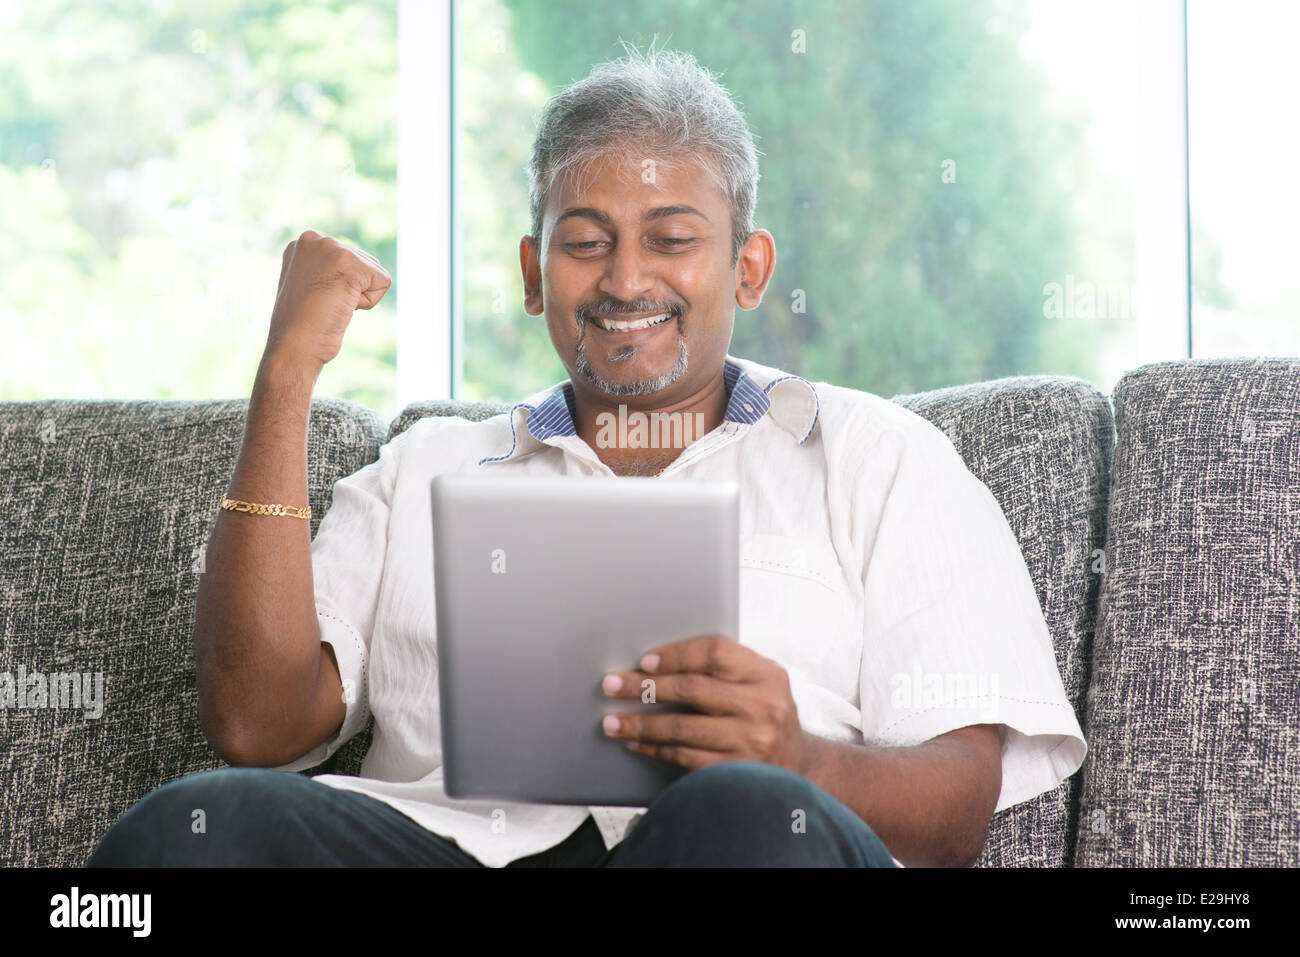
874,567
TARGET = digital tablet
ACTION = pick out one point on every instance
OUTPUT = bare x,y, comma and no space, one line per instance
541,586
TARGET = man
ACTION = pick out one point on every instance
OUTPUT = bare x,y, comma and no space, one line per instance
894,683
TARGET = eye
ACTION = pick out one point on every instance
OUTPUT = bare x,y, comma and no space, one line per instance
585,249
676,241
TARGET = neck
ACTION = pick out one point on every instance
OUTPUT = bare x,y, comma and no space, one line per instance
640,435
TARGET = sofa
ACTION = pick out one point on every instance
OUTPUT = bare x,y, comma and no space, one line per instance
1161,527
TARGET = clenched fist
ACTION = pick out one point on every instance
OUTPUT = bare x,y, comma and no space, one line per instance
322,282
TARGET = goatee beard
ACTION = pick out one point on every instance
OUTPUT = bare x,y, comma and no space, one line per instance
642,387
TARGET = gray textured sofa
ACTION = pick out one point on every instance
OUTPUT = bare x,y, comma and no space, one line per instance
1163,535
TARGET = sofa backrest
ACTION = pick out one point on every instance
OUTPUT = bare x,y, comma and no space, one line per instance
1194,709
105,506
104,511
1042,444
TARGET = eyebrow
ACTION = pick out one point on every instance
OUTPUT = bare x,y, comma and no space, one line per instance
659,212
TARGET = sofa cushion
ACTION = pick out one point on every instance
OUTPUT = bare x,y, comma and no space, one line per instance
1042,445
474,411
1192,713
104,510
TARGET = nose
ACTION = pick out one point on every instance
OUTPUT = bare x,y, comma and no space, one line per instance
628,274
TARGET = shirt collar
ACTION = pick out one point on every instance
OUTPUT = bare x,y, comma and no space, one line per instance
753,392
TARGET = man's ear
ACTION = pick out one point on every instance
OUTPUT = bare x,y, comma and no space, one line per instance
754,268
531,267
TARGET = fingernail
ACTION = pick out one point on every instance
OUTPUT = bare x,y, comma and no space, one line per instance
610,724
649,662
611,683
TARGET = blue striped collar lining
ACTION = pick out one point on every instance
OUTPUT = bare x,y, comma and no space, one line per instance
748,402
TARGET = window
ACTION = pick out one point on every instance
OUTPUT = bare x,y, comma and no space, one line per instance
958,189
950,184
154,161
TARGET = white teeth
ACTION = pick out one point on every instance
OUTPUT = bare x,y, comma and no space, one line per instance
613,325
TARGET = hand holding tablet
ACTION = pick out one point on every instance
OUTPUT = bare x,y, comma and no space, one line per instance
742,704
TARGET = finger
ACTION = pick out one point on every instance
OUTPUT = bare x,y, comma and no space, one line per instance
703,692
368,257
714,654
688,758
380,283
700,731
369,262
360,254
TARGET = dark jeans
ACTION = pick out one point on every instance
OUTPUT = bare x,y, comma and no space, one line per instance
732,814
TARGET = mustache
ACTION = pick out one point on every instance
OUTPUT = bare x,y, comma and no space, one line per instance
641,307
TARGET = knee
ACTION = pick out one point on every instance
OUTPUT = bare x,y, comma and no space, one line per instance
738,796
735,784
761,814
170,825
191,800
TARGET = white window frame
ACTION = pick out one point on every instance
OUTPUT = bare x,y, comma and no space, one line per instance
1162,297
425,247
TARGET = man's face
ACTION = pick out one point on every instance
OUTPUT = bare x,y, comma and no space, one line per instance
624,249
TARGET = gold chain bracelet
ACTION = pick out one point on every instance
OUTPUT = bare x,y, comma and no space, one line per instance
233,506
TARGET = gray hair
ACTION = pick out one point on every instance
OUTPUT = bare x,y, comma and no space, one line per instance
662,103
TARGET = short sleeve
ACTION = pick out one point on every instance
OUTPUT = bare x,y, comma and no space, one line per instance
953,632
347,560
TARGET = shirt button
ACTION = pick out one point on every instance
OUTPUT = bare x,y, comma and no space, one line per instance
748,407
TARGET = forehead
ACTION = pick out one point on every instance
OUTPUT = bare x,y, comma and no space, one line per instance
626,185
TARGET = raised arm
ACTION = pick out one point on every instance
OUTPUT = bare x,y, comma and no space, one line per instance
269,689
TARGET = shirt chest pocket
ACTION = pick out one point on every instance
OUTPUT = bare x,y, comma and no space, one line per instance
793,603
800,558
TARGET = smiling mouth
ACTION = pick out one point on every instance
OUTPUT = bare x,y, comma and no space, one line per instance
610,324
